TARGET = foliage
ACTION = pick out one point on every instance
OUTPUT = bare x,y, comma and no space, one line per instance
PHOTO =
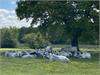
73,17
19,66
9,38
35,40
25,30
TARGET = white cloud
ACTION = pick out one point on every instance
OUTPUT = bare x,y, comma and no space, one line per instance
8,18
3,11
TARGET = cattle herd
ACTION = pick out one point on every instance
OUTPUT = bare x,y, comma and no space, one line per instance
62,55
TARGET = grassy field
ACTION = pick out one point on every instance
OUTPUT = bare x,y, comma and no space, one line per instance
31,66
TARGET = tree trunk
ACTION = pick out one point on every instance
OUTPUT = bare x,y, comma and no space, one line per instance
74,40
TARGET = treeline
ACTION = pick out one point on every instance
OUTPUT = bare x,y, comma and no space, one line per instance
34,37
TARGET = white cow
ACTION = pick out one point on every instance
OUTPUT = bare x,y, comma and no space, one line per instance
85,55
63,53
48,48
27,56
73,48
11,54
61,58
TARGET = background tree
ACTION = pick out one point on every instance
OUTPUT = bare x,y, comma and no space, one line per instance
76,17
22,32
35,40
8,38
25,30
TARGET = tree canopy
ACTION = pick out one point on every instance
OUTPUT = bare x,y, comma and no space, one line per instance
75,18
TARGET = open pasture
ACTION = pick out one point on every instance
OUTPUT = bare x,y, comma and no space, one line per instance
31,66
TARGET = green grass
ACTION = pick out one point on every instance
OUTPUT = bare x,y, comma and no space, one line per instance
56,47
19,66
17,49
31,66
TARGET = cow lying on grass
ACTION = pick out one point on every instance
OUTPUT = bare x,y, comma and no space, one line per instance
85,55
53,57
47,53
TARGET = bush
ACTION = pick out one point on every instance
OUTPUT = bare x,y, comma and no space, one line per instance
35,40
7,39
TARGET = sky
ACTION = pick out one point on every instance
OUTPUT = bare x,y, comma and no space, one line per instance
8,16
